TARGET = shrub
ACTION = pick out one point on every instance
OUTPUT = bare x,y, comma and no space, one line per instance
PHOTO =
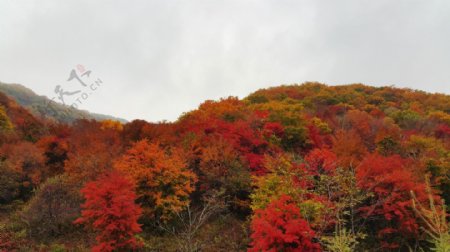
52,209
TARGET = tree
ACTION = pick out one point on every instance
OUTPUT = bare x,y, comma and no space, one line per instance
228,109
407,119
25,124
341,241
10,184
111,124
349,148
434,219
132,131
55,151
192,219
243,137
287,177
163,180
221,168
432,156
280,227
273,128
92,148
52,209
5,122
289,114
283,178
321,161
442,131
26,159
111,211
360,122
389,209
319,133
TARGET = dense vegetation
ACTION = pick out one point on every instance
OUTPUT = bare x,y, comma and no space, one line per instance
293,168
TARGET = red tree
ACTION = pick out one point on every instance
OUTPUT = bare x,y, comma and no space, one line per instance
280,227
273,128
110,210
391,182
442,131
321,161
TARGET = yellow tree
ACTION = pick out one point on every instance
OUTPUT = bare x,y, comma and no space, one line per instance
287,177
5,123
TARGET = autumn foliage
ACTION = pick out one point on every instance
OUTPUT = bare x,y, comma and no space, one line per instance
321,161
391,181
280,227
111,211
163,180
304,167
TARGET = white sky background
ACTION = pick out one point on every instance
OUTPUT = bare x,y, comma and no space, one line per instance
158,59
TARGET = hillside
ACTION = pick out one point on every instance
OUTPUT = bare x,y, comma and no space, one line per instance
39,105
16,118
305,167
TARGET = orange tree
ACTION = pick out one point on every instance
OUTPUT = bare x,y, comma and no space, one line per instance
163,181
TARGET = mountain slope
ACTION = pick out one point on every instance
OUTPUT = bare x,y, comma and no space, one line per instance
14,116
41,106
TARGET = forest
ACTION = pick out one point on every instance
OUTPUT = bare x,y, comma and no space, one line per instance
305,167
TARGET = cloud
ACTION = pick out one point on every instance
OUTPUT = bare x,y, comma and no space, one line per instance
158,59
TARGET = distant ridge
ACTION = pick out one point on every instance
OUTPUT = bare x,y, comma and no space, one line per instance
41,106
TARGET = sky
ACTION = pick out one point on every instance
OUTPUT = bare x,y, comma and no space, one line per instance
154,60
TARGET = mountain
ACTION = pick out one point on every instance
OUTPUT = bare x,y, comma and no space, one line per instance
41,106
292,167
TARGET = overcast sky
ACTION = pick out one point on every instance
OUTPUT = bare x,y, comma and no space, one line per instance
157,59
